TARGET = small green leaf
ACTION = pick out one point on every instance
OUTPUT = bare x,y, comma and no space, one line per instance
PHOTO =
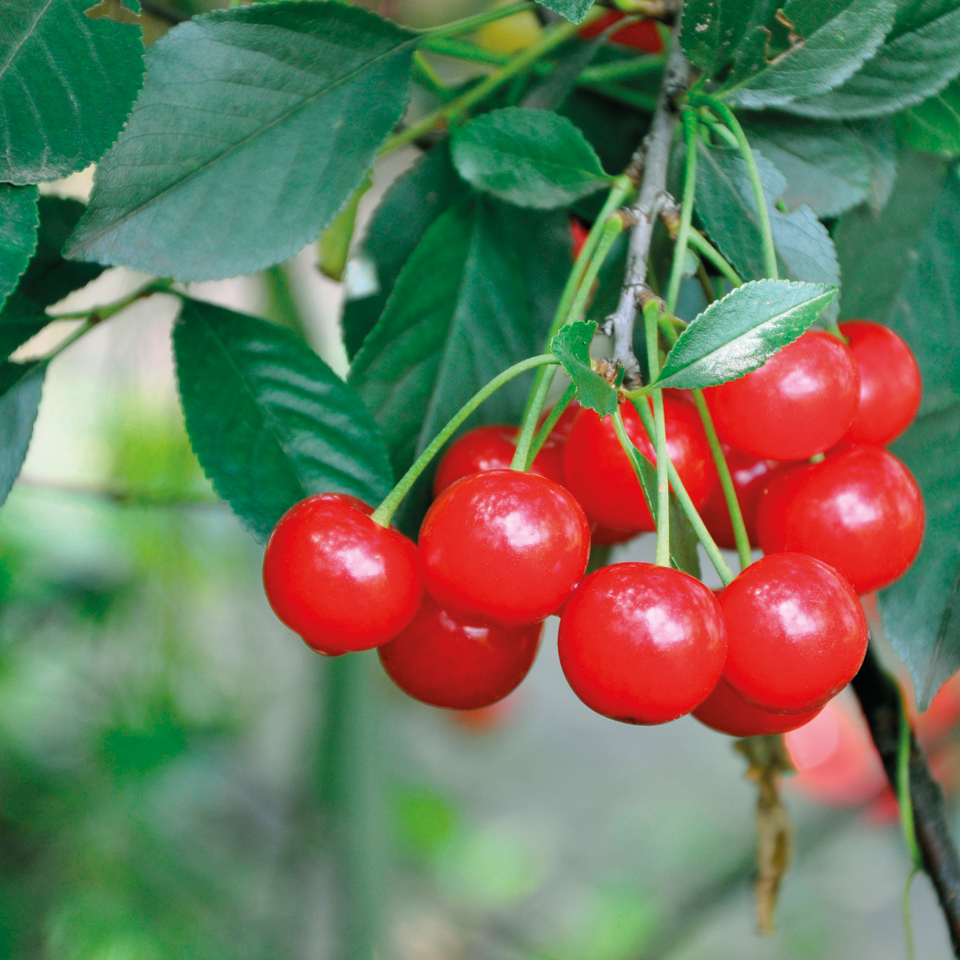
269,421
712,30
67,83
742,331
255,126
20,388
18,233
572,348
532,158
934,125
334,243
572,10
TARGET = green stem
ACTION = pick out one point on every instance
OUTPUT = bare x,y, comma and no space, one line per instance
109,309
471,23
624,69
908,914
464,50
612,228
686,504
650,316
424,75
559,408
904,798
384,513
686,209
538,398
706,249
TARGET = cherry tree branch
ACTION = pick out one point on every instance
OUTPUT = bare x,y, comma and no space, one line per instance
880,701
652,159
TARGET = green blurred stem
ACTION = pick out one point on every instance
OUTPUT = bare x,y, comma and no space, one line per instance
550,422
96,314
904,799
651,327
624,69
471,23
424,75
710,252
384,513
686,209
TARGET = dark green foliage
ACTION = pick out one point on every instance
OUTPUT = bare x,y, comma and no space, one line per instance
18,233
572,348
20,387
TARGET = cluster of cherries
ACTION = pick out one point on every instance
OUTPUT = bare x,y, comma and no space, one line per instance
457,617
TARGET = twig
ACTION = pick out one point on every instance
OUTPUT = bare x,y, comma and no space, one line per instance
653,158
880,701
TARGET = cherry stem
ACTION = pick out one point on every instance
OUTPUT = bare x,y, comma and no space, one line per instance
651,315
708,251
384,513
904,799
559,408
686,504
471,23
686,208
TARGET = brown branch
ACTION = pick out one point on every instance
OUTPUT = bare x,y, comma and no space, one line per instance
879,699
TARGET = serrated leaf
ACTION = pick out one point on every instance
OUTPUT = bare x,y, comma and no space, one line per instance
269,421
917,60
726,206
934,125
531,158
67,83
495,275
712,29
742,331
572,10
832,40
20,389
18,233
572,348
408,208
254,127
879,139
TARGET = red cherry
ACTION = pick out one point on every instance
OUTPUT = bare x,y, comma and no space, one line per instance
750,475
601,536
727,712
601,477
506,547
339,579
797,633
492,448
642,35
579,233
447,662
799,403
889,383
860,511
561,429
640,643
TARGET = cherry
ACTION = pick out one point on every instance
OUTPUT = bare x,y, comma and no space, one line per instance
799,403
337,577
504,546
797,633
579,234
642,35
492,448
750,475
601,536
640,643
561,429
601,477
889,383
727,712
445,661
859,510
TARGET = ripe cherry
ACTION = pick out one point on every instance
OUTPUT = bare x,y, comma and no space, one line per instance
642,35
797,633
750,475
492,448
579,234
448,662
338,578
889,383
727,712
860,511
640,643
563,426
504,546
601,477
799,403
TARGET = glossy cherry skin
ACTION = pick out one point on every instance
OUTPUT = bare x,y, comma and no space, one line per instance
799,403
601,477
640,643
860,511
890,385
750,475
504,546
448,662
642,35
492,448
339,579
727,712
797,634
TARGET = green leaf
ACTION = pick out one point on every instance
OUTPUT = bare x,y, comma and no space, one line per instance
334,244
493,276
830,40
18,233
255,126
269,421
726,206
934,125
712,29
20,388
742,331
532,158
408,208
921,611
572,348
917,60
572,10
67,83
